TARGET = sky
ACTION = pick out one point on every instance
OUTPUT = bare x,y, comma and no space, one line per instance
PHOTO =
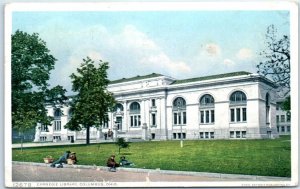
179,44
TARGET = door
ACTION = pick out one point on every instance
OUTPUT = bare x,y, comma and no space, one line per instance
119,122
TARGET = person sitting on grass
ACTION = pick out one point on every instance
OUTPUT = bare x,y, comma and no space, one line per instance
124,162
62,159
73,157
111,163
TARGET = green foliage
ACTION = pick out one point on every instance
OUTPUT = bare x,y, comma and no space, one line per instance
286,105
121,143
93,101
31,63
276,64
251,157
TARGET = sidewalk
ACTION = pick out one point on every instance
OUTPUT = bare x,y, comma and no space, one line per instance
28,171
36,144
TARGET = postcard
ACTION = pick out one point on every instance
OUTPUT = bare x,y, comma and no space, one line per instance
151,94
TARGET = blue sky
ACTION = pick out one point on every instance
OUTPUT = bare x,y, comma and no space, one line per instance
180,44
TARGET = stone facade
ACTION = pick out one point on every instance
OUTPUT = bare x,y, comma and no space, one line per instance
236,105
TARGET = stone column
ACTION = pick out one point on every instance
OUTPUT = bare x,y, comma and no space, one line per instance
115,130
144,131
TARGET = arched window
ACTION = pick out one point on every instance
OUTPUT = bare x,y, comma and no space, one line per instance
57,119
119,107
238,97
238,107
207,110
179,111
135,114
267,108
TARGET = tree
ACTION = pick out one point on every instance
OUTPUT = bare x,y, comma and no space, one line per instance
276,63
93,101
31,64
121,144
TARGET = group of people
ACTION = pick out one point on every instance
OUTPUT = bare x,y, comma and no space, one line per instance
67,156
109,134
111,162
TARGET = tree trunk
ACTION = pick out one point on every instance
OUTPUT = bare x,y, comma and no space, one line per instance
88,135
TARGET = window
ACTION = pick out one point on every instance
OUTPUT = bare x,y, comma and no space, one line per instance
212,135
179,111
105,122
238,134
243,134
207,112
153,119
282,129
282,118
152,136
43,138
288,128
57,125
57,120
174,135
153,102
119,108
56,138
201,135
288,117
238,107
44,128
231,134
135,117
277,118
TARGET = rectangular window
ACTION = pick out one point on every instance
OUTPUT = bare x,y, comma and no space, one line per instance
201,116
175,118
212,135
179,118
232,115
135,121
282,118
57,125
131,121
206,116
278,129
288,128
243,134
153,102
153,119
231,134
184,117
174,135
139,120
183,135
244,114
212,116
288,118
206,135
238,134
152,135
201,135
277,118
238,114
282,129
179,135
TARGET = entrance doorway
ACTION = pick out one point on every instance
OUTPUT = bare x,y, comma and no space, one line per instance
119,122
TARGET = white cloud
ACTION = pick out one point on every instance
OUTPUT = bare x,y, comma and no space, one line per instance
228,62
212,49
244,54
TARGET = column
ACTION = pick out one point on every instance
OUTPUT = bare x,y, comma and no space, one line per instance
115,130
125,117
144,131
37,133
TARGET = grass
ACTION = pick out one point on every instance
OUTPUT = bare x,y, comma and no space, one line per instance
251,157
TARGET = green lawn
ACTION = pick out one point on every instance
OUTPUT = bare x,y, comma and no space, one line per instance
251,157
